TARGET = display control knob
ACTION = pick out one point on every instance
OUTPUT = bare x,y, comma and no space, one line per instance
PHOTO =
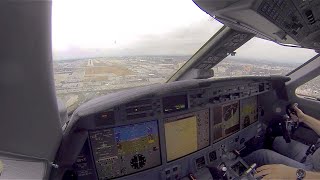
224,173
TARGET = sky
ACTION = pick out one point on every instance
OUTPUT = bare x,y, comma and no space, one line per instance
89,28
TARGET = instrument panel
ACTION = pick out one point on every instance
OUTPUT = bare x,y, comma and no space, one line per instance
170,135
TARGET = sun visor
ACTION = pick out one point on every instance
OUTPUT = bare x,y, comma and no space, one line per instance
30,126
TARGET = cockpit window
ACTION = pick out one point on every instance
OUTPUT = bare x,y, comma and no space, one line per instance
260,57
103,46
310,89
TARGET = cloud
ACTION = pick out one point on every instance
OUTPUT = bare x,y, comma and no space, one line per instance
187,40
184,40
144,27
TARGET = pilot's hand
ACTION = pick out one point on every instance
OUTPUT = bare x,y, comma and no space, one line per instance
276,171
300,114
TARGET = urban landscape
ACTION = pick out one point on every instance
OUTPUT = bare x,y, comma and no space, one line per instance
80,80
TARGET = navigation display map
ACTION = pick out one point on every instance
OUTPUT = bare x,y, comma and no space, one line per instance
187,134
230,115
226,120
249,111
126,149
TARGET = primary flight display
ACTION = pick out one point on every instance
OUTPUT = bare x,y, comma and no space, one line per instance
125,149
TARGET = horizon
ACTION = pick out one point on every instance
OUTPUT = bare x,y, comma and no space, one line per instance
229,58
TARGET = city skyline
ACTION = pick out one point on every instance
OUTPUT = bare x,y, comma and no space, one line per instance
241,58
80,80
247,51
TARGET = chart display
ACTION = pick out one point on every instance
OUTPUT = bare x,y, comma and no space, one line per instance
186,135
248,111
126,149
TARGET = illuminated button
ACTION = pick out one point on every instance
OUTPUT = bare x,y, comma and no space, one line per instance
224,169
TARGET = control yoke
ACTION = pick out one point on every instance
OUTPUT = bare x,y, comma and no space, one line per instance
288,125
290,122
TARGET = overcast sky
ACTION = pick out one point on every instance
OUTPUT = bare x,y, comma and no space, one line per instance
88,28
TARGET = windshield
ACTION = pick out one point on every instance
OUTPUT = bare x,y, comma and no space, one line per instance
261,57
103,46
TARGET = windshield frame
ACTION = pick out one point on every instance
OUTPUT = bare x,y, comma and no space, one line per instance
199,55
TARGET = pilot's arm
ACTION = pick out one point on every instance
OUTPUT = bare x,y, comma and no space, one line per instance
308,120
279,171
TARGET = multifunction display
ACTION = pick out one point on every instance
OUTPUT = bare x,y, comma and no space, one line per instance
230,114
226,120
186,134
249,111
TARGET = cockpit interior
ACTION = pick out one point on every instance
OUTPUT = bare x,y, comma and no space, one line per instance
195,126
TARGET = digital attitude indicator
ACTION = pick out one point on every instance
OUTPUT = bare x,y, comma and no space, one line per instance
124,150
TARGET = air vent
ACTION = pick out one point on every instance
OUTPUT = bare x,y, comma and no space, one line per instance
140,102
310,16
139,109
212,156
